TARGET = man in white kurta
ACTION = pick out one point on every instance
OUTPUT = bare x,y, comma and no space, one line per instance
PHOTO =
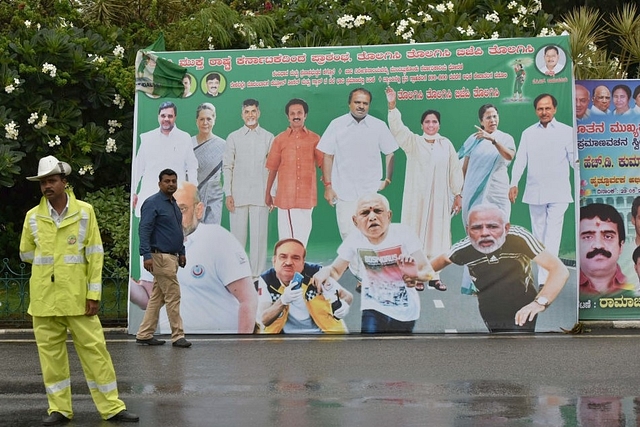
245,182
547,151
351,166
165,147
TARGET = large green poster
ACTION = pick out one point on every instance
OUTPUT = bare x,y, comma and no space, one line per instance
454,78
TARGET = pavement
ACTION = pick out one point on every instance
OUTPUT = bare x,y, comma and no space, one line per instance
544,379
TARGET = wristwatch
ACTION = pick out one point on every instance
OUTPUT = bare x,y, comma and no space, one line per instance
543,301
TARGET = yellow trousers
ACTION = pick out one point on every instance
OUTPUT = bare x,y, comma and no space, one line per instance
89,342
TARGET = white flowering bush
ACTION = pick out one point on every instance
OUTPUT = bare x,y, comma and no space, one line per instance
335,22
66,93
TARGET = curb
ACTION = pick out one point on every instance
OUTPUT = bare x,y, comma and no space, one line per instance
30,331
612,324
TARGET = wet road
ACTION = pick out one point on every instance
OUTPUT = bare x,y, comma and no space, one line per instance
420,380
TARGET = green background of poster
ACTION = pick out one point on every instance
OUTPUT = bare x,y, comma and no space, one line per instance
455,78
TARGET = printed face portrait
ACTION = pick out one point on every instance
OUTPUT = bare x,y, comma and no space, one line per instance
637,99
487,231
191,209
52,186
296,116
431,124
545,110
206,121
359,105
372,217
600,247
635,220
551,58
602,98
288,260
212,86
250,116
620,100
582,101
167,119
490,120
186,82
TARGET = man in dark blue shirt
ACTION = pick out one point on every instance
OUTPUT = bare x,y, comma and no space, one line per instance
162,247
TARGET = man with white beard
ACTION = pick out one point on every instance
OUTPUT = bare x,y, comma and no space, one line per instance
499,257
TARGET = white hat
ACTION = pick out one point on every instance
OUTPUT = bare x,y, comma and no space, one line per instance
50,166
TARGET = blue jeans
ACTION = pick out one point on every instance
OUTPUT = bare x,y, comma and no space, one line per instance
374,322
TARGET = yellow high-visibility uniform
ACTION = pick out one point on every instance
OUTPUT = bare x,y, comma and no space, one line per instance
67,263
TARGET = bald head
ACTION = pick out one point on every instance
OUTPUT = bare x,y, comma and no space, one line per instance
582,101
190,205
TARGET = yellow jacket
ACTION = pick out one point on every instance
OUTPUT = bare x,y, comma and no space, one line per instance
67,260
319,308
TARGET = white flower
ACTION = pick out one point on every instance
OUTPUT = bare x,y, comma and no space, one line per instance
86,168
408,34
27,23
38,26
461,30
111,145
495,35
402,25
42,123
16,81
515,20
9,88
32,118
286,38
493,17
345,21
49,68
441,8
55,141
450,6
470,31
118,100
11,130
522,10
512,5
361,20
118,52
426,18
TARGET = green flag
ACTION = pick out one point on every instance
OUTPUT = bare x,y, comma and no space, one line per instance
156,76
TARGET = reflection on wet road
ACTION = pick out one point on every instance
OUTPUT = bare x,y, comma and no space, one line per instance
443,380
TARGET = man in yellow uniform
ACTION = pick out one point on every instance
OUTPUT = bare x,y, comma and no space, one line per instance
60,237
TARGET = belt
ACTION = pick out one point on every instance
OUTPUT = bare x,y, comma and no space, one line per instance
158,251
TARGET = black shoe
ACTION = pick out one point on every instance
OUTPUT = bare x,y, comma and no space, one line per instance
150,341
182,343
125,416
54,419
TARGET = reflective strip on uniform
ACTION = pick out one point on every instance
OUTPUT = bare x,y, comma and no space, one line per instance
43,260
59,386
106,388
94,287
27,256
93,249
74,259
